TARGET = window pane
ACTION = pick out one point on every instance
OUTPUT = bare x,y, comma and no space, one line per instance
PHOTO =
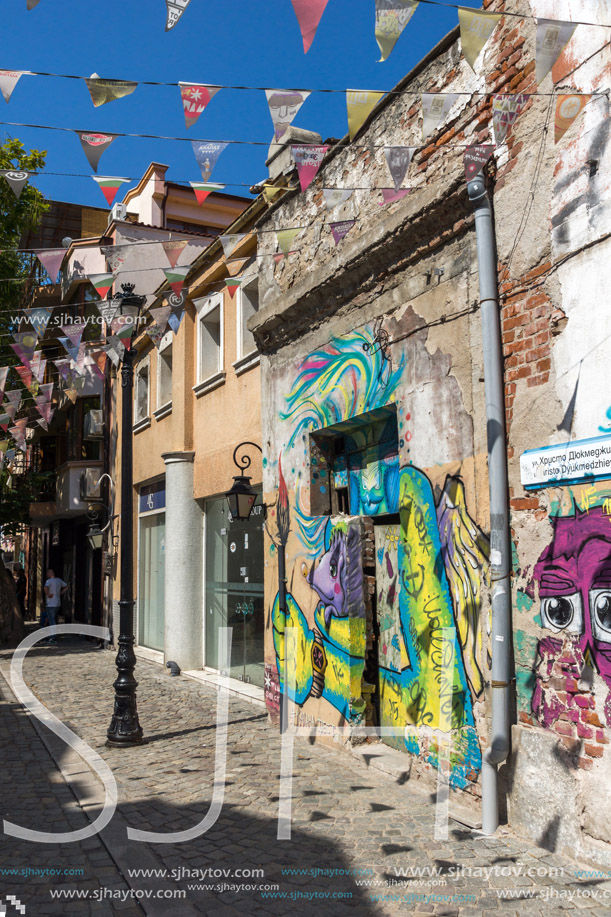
250,305
210,344
142,394
165,376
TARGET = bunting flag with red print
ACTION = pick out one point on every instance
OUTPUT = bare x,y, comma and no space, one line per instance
175,10
475,159
309,14
389,195
176,276
568,109
101,284
283,107
341,229
25,344
94,145
391,18
17,179
109,186
202,189
232,284
505,110
308,160
103,91
4,421
173,250
51,259
8,81
25,374
195,97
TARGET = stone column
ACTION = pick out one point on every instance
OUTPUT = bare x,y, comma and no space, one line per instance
183,564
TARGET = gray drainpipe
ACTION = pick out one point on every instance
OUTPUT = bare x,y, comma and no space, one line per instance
500,546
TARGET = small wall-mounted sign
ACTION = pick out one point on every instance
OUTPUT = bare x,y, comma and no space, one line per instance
575,462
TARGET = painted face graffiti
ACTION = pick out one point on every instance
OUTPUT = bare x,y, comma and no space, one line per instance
574,578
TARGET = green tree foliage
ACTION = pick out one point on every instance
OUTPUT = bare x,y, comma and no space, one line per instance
17,275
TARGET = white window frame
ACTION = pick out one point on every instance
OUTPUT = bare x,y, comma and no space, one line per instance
143,422
251,358
166,407
204,307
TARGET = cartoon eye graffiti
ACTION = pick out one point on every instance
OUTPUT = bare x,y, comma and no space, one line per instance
600,607
563,612
333,570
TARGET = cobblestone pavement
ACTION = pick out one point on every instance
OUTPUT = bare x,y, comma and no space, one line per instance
351,824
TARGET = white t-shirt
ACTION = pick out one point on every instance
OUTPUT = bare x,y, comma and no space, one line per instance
54,585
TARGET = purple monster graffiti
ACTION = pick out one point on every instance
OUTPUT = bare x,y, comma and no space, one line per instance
574,578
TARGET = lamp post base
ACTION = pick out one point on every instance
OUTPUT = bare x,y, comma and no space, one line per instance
125,730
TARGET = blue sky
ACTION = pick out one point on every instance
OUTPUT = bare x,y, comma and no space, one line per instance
229,42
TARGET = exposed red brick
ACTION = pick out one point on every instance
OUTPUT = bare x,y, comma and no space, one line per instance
592,718
584,732
520,503
565,729
594,751
585,763
601,737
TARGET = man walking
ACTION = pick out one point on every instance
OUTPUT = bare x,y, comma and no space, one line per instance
54,589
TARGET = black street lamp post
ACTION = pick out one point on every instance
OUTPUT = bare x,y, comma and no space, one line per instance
125,730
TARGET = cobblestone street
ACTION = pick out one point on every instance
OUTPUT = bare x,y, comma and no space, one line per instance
351,823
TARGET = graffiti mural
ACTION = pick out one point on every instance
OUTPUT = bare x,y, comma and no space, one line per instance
573,575
429,571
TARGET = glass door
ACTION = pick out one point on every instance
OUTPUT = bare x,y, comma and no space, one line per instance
151,592
234,589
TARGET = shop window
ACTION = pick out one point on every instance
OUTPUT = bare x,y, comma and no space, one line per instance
209,337
141,401
354,466
164,372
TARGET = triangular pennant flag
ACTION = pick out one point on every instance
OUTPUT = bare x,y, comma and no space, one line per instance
122,326
45,409
3,377
158,327
51,259
341,229
435,107
32,3
308,160
360,104
398,159
175,10
233,284
100,359
64,369
231,242
8,81
175,319
505,110
25,345
160,315
18,432
115,349
116,256
16,179
43,423
103,91
38,365
176,300
72,394
286,237
552,38
69,347
13,401
389,195
475,159
391,18
195,97
309,13
101,284
333,197
203,189
207,154
107,309
176,276
46,392
11,409
283,107
173,250
25,374
475,30
109,186
94,145
38,318
270,193
74,333
5,419
157,333
568,109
